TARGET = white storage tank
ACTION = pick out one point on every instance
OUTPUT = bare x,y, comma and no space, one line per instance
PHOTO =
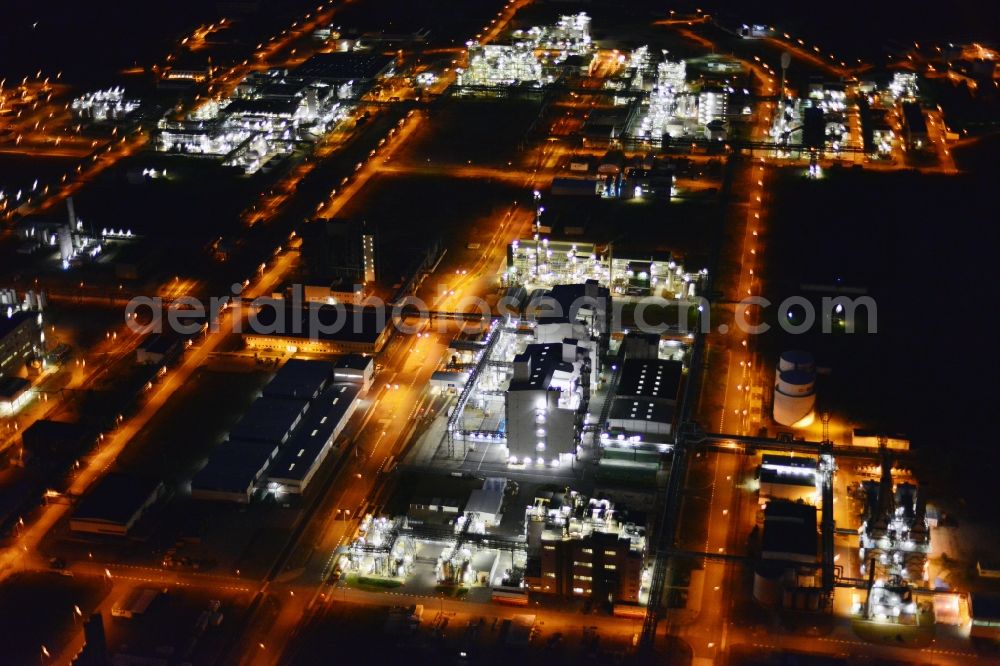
768,583
796,359
794,410
795,388
796,383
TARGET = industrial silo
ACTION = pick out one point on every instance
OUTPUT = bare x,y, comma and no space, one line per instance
795,388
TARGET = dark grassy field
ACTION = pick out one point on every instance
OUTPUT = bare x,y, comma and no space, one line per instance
917,244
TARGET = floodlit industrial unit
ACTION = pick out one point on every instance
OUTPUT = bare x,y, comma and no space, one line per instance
643,408
581,547
793,478
676,107
895,543
546,400
103,105
501,65
15,392
355,369
541,263
267,116
524,61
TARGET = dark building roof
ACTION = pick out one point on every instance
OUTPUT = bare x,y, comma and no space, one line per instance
300,378
269,420
914,118
117,498
159,343
544,361
11,387
344,66
337,323
563,302
650,378
354,362
57,437
268,106
234,466
790,529
304,450
985,606
8,324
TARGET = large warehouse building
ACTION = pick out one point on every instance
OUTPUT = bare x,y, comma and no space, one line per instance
115,504
283,437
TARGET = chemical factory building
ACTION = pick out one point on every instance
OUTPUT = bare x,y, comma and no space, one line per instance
300,379
298,460
115,504
582,548
270,420
542,399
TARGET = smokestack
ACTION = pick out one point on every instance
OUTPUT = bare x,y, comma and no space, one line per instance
72,213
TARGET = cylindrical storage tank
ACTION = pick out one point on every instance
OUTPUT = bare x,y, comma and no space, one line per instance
796,359
796,383
797,404
767,587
